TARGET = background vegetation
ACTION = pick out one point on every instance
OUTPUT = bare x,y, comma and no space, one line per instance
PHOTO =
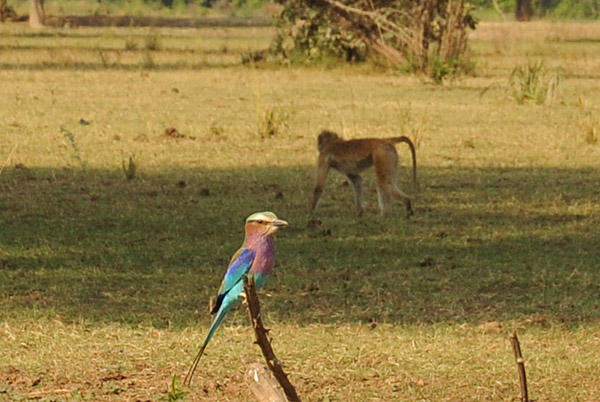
106,270
580,9
586,9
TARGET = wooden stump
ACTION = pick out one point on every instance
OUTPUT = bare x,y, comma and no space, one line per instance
263,384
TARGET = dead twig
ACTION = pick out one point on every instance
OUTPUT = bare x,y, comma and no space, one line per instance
520,366
263,340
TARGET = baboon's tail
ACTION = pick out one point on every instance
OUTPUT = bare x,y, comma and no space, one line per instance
404,138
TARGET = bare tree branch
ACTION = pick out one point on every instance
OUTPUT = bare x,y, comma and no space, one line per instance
362,27
520,366
379,18
264,342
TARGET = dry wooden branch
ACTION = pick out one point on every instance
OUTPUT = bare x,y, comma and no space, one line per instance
264,342
376,17
520,366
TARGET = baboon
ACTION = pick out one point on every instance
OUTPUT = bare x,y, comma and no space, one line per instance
351,157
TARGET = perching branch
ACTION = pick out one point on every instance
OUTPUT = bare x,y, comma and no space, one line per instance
520,366
263,340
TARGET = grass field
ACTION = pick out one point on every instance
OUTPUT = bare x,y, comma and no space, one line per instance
105,281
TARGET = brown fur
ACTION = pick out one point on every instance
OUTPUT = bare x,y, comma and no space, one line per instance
351,157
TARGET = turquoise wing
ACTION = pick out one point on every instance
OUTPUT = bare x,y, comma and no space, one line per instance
240,264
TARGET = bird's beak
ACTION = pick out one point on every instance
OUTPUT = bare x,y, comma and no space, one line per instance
278,223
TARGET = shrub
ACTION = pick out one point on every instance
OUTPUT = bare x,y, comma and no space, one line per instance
423,34
530,82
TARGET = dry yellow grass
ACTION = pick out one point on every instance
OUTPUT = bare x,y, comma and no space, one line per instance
53,360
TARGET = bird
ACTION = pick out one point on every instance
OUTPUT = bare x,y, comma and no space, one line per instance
257,255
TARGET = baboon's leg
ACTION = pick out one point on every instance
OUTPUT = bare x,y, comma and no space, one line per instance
393,190
390,188
356,181
386,168
384,201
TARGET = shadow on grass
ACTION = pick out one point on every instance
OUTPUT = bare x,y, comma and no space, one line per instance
485,244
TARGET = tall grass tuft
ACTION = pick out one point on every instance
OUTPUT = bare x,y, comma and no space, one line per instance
152,41
412,127
271,121
588,125
130,168
530,82
70,137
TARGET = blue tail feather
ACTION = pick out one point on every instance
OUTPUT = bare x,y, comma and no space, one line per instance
211,331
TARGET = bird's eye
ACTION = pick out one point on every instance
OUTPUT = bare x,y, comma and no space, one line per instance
260,221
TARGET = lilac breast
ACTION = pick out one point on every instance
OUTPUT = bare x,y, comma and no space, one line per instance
265,254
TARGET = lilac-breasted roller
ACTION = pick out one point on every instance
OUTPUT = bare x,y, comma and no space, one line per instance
257,254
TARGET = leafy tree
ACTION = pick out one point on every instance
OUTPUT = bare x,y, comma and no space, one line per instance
578,9
425,35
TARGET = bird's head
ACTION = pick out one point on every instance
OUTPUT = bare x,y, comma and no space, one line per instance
264,223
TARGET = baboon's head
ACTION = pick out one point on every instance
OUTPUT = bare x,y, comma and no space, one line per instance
326,138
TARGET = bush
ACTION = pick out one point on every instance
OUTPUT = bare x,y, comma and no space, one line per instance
578,9
531,82
424,35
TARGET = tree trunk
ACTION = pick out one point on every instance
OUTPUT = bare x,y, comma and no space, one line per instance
423,23
37,16
523,11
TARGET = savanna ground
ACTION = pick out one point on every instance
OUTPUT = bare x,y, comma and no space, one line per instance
104,281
